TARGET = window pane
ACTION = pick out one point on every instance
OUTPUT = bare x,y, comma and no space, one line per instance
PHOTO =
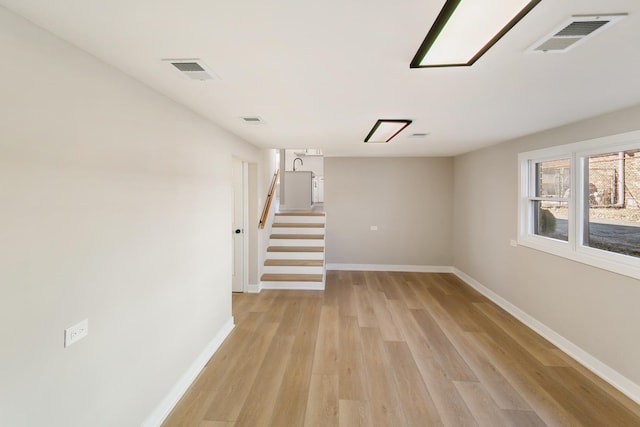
553,179
550,219
614,211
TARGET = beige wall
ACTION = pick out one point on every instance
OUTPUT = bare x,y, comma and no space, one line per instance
116,207
408,199
595,309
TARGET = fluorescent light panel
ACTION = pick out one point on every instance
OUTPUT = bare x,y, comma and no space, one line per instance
385,130
465,29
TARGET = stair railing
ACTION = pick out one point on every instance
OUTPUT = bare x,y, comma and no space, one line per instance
267,203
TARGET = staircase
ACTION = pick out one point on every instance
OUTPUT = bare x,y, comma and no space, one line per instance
295,256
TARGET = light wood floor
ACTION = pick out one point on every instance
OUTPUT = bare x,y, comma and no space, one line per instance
391,349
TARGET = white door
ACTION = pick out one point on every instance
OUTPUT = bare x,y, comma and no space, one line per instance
238,226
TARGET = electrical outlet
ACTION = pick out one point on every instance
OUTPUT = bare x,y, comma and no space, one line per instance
76,332
374,228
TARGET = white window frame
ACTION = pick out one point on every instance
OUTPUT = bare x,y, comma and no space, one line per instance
573,249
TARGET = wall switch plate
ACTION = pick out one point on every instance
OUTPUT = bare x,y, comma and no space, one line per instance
513,243
374,228
76,332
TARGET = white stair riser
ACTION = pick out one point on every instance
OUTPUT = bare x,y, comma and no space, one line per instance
290,230
296,242
295,255
298,219
282,269
319,286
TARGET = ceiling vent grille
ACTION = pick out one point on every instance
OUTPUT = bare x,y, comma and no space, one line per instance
252,120
574,31
192,68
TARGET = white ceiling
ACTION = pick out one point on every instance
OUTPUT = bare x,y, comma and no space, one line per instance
321,73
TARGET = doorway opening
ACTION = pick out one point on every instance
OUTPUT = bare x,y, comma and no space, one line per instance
302,180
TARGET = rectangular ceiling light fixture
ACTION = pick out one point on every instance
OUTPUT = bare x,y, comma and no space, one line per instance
465,29
385,130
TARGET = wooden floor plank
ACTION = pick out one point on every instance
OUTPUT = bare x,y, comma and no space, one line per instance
195,403
521,418
605,387
291,404
357,278
389,285
331,289
259,403
407,293
416,402
391,349
447,355
458,309
372,281
325,360
352,377
387,326
450,405
322,405
236,383
354,413
215,424
524,379
384,402
484,409
291,317
540,348
427,300
496,385
366,316
347,300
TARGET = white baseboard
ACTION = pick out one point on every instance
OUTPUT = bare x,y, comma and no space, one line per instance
254,289
165,407
293,286
610,375
382,267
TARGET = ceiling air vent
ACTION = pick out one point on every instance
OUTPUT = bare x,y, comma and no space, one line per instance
192,68
252,120
574,31
419,135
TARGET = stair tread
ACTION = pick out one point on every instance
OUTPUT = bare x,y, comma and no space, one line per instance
294,262
291,278
298,225
299,213
298,236
295,249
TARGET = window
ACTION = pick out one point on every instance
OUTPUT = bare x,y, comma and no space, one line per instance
550,201
582,201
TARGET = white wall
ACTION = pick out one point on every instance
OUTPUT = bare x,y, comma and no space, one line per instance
594,309
408,199
116,207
